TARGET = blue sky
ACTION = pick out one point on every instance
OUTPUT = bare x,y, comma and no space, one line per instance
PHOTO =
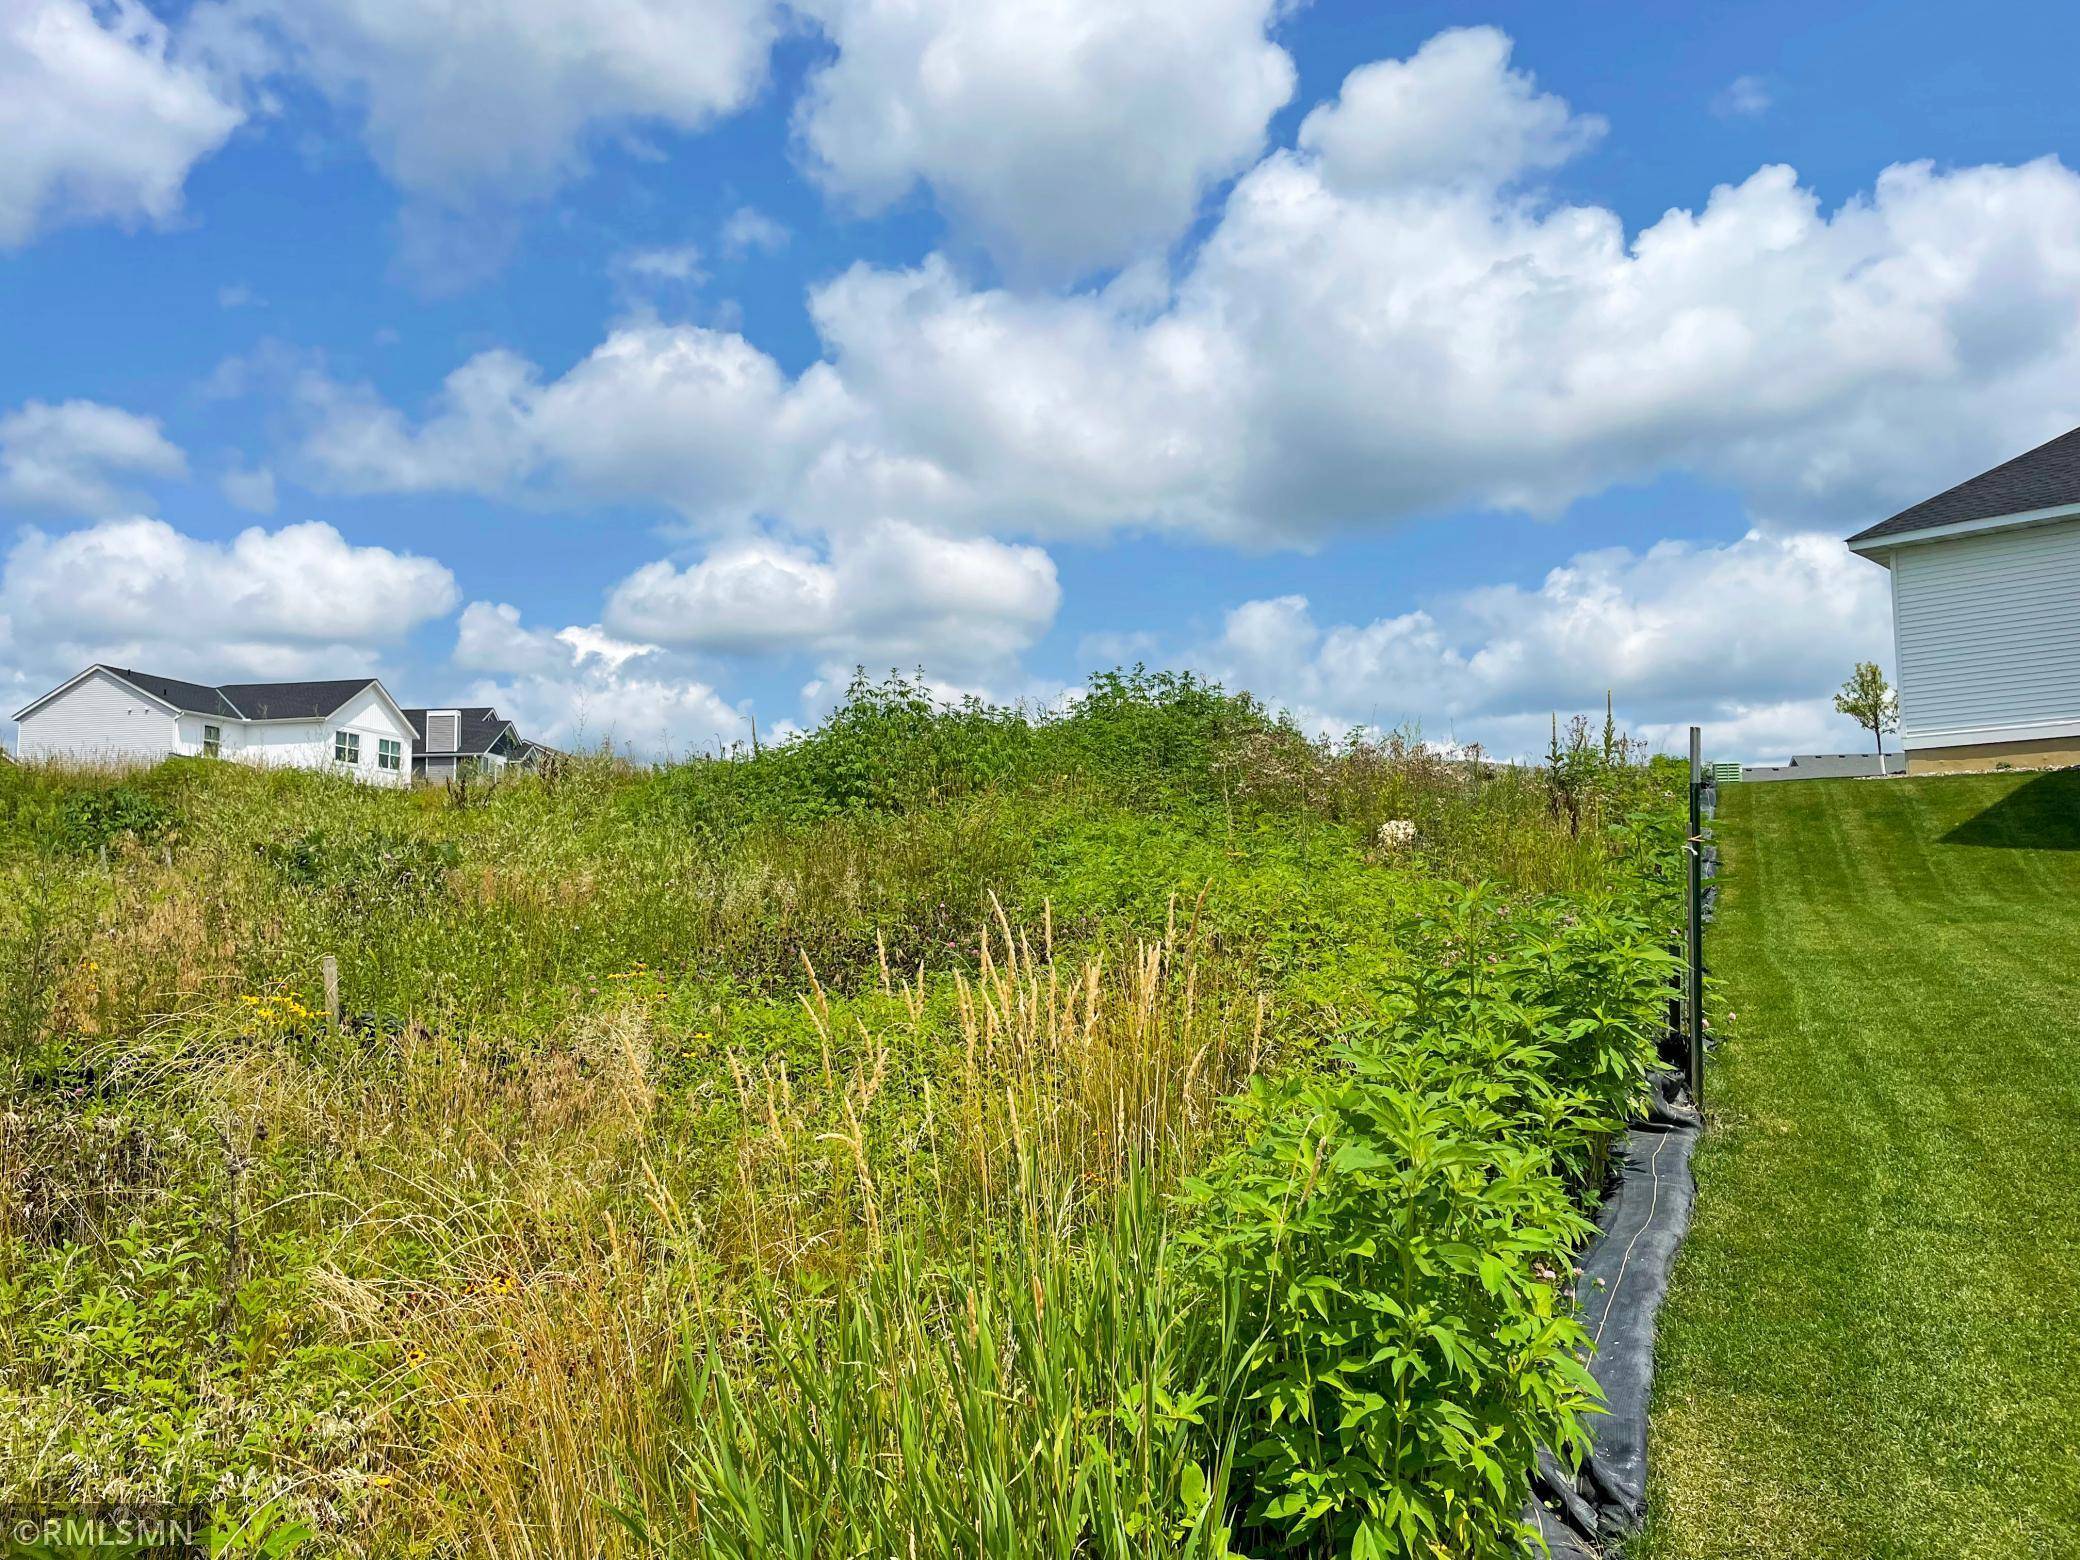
643,366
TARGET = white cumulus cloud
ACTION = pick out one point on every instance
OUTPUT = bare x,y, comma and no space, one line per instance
297,601
888,594
74,456
1374,328
1454,111
699,419
98,122
1063,134
578,687
1747,638
462,101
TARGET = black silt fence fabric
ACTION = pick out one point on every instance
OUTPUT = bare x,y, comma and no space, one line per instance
1626,1269
1625,1274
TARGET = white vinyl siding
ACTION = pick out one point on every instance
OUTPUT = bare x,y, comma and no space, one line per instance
1988,633
99,719
371,717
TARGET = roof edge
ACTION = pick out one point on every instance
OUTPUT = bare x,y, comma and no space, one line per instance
82,675
1869,542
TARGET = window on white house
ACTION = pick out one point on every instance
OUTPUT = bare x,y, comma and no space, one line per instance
346,747
212,741
389,755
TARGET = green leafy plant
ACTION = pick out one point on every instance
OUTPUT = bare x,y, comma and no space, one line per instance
1406,1253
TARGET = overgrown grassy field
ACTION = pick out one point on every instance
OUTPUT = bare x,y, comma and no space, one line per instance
955,1132
1872,1345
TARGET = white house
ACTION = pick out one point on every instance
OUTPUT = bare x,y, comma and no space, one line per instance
1986,615
110,714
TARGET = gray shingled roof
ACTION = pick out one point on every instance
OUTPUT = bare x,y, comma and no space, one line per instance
195,698
2045,478
480,728
292,700
241,701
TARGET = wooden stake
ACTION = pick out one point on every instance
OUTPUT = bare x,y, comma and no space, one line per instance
332,992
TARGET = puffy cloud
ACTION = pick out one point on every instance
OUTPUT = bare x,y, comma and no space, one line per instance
1064,134
994,410
492,638
300,600
578,687
69,456
1453,112
98,122
1367,333
678,414
1748,639
465,101
888,593
1337,359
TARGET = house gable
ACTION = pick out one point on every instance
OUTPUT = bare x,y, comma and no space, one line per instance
2038,486
98,717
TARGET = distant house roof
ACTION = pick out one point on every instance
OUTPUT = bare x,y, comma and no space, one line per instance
292,700
195,698
236,701
2048,477
481,728
1826,766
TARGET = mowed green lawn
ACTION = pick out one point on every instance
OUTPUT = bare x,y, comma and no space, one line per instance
1872,1345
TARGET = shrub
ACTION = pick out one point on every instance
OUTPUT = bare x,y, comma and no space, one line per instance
1402,1251
103,815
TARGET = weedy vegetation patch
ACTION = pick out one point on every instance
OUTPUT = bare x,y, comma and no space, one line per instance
1138,1131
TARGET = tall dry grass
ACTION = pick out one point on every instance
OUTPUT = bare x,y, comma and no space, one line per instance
570,1255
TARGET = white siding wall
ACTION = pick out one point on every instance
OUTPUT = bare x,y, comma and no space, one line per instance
286,744
308,744
99,720
370,715
190,738
1989,636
